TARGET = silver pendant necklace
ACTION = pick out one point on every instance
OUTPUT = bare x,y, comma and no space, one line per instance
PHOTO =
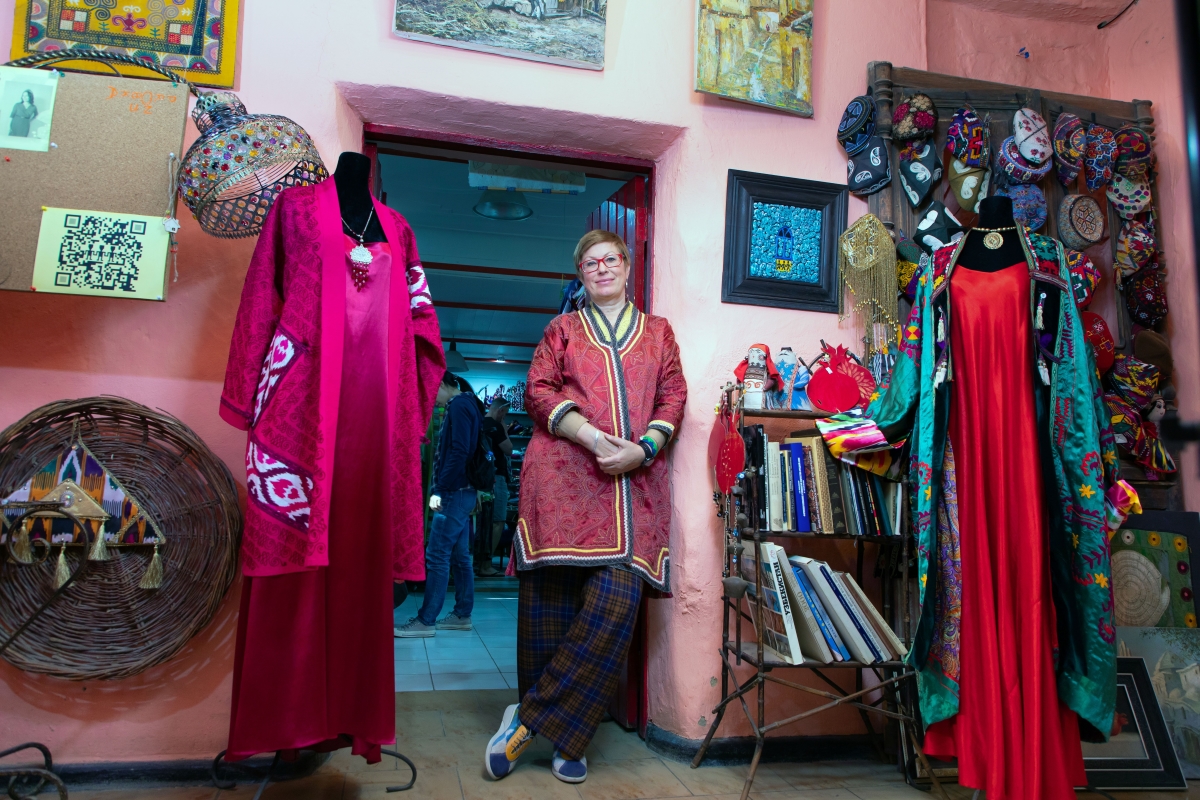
360,256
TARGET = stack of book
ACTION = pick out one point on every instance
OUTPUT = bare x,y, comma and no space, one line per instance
804,489
813,613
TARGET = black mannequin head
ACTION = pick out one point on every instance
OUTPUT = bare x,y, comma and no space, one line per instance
994,213
353,180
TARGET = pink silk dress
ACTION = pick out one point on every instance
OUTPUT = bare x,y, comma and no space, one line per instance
1012,736
314,661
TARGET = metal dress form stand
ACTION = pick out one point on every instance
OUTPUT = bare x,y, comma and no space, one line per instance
737,508
266,776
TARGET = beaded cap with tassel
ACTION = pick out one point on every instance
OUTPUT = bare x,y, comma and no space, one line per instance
867,263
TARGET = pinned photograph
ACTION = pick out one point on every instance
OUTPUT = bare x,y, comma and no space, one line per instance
26,107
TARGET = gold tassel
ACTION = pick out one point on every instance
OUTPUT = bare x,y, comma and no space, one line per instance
61,573
154,573
99,549
22,550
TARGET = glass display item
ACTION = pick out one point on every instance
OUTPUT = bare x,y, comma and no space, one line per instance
241,162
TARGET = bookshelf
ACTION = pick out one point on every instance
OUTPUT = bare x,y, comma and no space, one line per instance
744,619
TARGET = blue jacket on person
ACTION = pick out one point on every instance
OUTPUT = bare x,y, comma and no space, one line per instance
461,428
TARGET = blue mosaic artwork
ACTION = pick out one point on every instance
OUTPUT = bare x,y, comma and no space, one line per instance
785,243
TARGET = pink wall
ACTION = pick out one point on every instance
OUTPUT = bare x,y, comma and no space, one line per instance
331,66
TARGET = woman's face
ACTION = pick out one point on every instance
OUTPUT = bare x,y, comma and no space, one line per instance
27,97
605,284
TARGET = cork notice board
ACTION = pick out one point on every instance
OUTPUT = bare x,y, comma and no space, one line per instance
111,140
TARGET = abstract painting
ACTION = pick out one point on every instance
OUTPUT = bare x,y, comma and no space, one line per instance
785,243
756,51
569,33
195,37
101,254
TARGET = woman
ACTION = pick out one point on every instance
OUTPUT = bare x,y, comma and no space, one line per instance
22,114
606,393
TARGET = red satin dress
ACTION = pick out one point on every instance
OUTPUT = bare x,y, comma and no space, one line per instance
1012,736
314,663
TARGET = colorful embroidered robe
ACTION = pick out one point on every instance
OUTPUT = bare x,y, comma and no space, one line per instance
283,380
626,380
1085,496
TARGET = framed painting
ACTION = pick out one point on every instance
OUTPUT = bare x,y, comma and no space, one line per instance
756,52
781,239
569,33
197,38
1154,583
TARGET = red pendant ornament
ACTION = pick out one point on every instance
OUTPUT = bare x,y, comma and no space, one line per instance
360,275
839,383
726,450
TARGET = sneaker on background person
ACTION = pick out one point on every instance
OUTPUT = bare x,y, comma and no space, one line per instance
414,629
453,622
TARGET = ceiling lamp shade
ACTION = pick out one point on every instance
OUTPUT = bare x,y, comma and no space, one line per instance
240,163
455,361
503,205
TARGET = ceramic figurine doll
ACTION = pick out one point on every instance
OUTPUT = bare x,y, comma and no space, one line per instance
757,374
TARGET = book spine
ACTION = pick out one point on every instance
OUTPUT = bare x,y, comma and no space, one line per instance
800,481
837,506
823,621
774,493
808,631
789,497
771,553
851,502
865,627
814,499
868,645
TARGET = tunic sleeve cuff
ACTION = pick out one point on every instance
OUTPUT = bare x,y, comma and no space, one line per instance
661,425
556,416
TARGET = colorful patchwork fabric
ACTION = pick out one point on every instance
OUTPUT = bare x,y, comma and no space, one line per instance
967,138
1085,277
1018,169
1070,146
1098,158
1146,298
1029,204
1136,248
915,118
1134,151
1032,138
947,611
1134,380
1129,196
857,125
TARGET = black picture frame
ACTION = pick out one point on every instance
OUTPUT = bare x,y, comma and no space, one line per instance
737,285
1157,767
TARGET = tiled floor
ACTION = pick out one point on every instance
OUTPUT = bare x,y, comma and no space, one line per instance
482,658
444,733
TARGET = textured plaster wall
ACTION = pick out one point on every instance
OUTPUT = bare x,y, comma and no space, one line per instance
331,66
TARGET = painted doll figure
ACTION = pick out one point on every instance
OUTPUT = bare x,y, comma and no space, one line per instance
757,374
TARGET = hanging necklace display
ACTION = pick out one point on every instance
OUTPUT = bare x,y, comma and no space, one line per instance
994,239
360,256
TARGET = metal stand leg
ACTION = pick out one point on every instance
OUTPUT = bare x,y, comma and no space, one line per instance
37,777
411,766
270,772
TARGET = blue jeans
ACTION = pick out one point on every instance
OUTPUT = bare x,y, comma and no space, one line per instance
449,547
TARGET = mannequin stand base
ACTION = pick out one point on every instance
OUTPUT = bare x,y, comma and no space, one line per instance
266,778
25,783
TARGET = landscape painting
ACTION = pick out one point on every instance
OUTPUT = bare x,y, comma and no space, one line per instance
569,33
1172,656
756,51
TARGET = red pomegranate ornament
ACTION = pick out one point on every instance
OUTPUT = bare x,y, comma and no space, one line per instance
1095,330
839,383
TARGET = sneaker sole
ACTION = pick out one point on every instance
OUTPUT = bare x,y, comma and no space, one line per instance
565,779
398,634
509,713
466,627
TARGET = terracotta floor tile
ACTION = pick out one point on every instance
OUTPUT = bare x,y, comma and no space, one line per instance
531,779
805,794
411,724
166,793
496,699
630,780
724,780
890,793
443,751
614,743
440,783
318,787
472,722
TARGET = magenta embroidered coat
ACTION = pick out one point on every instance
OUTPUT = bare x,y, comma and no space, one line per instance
283,382
626,380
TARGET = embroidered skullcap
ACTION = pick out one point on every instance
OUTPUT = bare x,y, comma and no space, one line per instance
969,184
1095,331
857,125
1129,196
869,170
1134,380
1029,204
936,228
1070,146
1098,159
908,264
1032,138
1135,153
967,138
1010,161
915,118
1080,222
919,170
1136,247
1146,298
1153,348
1085,277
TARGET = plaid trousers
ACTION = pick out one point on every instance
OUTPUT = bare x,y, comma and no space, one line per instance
574,626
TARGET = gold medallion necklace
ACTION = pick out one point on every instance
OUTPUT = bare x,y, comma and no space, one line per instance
994,239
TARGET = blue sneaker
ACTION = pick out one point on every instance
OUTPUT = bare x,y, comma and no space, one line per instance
507,745
569,771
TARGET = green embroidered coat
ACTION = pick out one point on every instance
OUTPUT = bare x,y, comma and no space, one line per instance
1085,497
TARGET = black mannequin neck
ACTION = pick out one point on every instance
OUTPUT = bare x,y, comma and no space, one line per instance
994,212
353,180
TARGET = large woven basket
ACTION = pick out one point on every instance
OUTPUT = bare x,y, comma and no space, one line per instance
104,627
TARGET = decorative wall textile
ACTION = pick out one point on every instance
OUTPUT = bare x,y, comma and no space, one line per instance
197,38
1152,579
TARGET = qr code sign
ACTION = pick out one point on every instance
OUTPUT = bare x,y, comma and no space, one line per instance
100,253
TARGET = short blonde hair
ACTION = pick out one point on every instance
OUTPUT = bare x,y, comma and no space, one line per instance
595,237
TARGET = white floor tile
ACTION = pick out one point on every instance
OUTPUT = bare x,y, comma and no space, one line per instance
412,667
443,667
493,680
409,653
511,679
414,683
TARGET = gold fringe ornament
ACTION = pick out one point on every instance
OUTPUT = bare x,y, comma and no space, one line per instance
61,573
867,263
21,548
154,573
100,548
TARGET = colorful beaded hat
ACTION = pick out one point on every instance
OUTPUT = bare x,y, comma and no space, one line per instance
1129,196
1085,277
1146,298
1080,222
1095,331
1018,169
1135,154
967,138
1070,146
857,125
1029,204
1136,247
240,163
915,118
1098,158
1032,138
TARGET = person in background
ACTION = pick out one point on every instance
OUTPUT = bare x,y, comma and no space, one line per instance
502,447
452,499
606,393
